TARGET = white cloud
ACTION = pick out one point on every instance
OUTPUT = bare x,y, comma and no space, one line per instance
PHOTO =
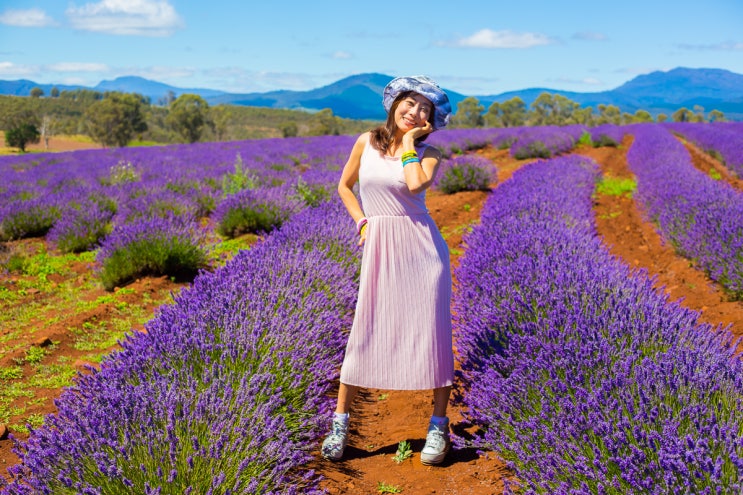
26,18
341,55
590,36
126,17
76,67
487,38
9,69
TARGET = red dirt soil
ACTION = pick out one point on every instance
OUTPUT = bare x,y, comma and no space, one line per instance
381,419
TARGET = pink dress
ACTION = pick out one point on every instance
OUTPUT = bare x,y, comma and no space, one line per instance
401,337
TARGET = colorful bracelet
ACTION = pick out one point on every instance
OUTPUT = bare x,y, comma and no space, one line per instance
410,160
409,154
363,229
360,224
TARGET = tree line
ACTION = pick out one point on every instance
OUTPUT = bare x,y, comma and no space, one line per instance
556,109
116,119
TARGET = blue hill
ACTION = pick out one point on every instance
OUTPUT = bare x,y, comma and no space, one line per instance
359,96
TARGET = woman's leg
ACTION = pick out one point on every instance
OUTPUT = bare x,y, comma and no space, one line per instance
437,439
346,394
440,400
335,443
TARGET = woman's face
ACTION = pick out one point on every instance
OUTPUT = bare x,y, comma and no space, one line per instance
413,111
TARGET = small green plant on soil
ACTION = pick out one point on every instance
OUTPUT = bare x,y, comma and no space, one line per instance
404,451
615,186
715,174
585,139
34,354
383,487
10,372
383,396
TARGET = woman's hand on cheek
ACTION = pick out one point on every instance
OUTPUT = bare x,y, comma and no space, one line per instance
417,132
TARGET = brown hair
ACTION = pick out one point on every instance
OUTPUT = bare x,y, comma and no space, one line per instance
381,137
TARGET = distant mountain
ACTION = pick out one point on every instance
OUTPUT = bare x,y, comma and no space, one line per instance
657,92
359,96
355,97
153,89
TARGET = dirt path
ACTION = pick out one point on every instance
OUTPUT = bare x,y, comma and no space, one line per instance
705,163
627,235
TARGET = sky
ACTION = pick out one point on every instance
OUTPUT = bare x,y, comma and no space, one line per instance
481,47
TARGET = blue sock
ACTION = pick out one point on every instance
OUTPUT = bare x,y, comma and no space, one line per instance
440,420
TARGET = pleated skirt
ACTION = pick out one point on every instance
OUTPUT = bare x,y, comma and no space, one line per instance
401,338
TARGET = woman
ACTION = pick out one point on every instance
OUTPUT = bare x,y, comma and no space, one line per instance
401,335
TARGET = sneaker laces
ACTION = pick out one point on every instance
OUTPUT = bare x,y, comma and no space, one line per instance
436,438
335,442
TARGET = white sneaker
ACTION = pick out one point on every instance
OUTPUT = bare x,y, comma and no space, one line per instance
437,444
335,443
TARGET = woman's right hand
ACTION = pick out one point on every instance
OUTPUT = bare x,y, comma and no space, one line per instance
362,235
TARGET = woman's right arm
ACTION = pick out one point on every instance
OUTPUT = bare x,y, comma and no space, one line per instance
350,176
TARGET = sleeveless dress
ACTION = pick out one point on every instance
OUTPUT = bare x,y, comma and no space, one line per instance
401,338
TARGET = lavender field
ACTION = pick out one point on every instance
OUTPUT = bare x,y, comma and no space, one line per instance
576,371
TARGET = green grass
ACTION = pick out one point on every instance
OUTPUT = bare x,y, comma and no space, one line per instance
615,186
383,487
715,174
10,372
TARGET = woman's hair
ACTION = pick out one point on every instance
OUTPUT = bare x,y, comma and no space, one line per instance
381,137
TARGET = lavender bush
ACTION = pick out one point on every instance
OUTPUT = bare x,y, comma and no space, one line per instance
701,217
465,173
579,373
159,246
81,226
544,141
607,135
723,140
226,392
255,210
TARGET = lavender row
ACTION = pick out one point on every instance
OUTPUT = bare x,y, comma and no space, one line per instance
544,141
226,392
578,373
722,139
701,217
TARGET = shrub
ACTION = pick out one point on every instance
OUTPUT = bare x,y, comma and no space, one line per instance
159,246
465,173
240,180
30,218
81,227
254,211
311,194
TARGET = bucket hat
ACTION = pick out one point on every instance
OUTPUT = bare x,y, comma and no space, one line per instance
425,86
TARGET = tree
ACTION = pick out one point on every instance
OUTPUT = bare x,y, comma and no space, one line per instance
36,92
46,130
188,115
22,134
609,114
642,116
661,117
510,113
549,109
21,127
289,129
114,120
683,114
469,113
54,93
221,117
324,123
716,116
